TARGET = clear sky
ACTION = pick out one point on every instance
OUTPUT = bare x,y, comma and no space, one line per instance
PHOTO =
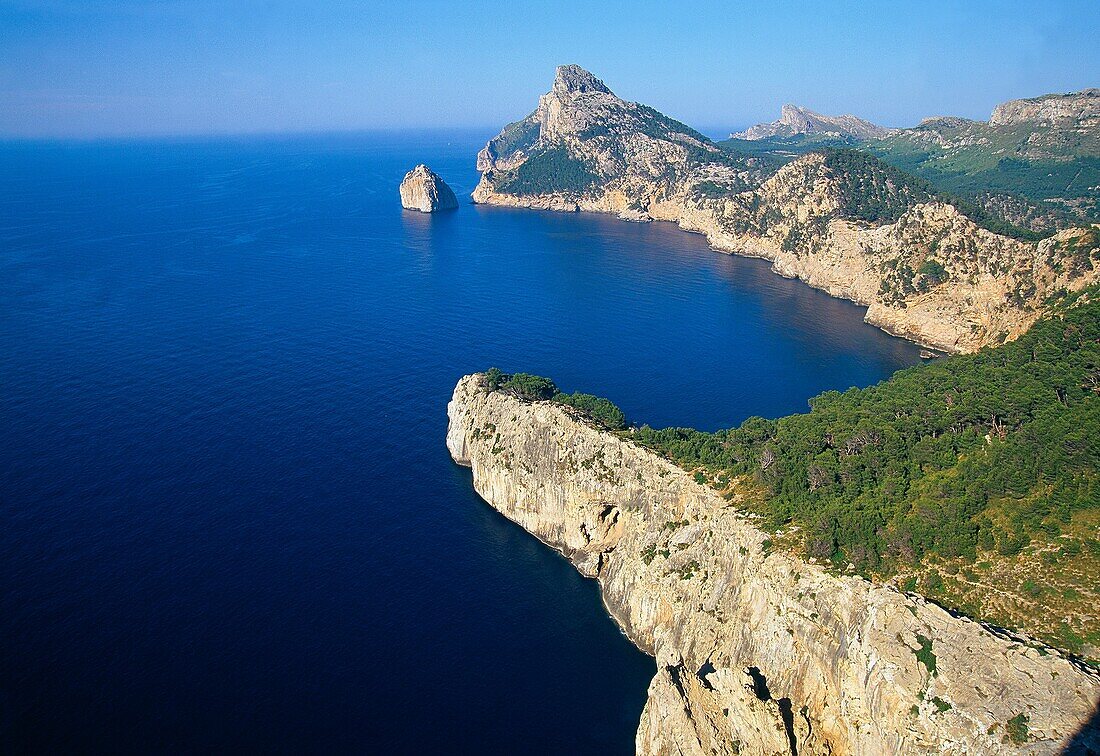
99,67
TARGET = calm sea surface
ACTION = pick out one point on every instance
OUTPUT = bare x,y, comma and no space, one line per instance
228,519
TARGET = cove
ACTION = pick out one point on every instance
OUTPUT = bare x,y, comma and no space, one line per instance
228,516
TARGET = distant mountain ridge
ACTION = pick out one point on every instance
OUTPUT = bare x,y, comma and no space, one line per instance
795,120
1036,162
928,267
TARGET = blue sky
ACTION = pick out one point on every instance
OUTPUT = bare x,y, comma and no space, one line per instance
95,68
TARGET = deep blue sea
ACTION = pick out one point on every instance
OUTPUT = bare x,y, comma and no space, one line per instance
228,520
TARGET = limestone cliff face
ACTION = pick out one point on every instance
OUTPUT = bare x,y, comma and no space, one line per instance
807,218
757,652
422,189
1080,109
795,120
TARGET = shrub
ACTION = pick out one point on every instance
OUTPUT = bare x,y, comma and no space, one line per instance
494,378
889,474
596,408
925,656
529,387
1016,729
933,272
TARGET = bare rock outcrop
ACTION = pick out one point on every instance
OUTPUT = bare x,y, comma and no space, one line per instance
794,120
1079,109
422,189
758,652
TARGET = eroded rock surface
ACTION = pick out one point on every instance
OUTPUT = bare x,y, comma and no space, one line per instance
1079,109
422,189
758,652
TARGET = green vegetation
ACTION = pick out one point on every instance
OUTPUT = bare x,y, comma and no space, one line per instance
878,192
787,146
997,167
971,158
596,408
688,571
494,378
885,476
548,169
925,656
974,479
659,126
1081,252
537,388
517,136
932,269
713,189
650,122
784,149
886,181
526,386
1016,729
932,273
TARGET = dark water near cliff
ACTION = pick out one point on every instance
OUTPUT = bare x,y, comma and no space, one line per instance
227,516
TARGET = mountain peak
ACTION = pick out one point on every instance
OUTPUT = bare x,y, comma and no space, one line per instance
794,120
573,78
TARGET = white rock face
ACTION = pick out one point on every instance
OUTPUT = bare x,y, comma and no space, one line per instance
1080,109
795,120
422,189
757,651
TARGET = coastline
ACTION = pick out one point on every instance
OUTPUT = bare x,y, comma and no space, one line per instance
884,325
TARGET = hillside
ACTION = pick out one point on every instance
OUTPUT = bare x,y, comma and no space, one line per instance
938,270
1053,162
974,480
975,471
1035,163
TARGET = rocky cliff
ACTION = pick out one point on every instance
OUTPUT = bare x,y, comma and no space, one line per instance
422,189
795,120
757,651
1076,109
854,227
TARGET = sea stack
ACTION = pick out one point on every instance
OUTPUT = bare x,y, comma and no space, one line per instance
422,189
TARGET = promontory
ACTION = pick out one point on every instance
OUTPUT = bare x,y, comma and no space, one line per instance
759,651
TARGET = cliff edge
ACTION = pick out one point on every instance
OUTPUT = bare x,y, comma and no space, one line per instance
759,652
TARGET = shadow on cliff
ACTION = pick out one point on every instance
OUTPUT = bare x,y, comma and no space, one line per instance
1086,741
